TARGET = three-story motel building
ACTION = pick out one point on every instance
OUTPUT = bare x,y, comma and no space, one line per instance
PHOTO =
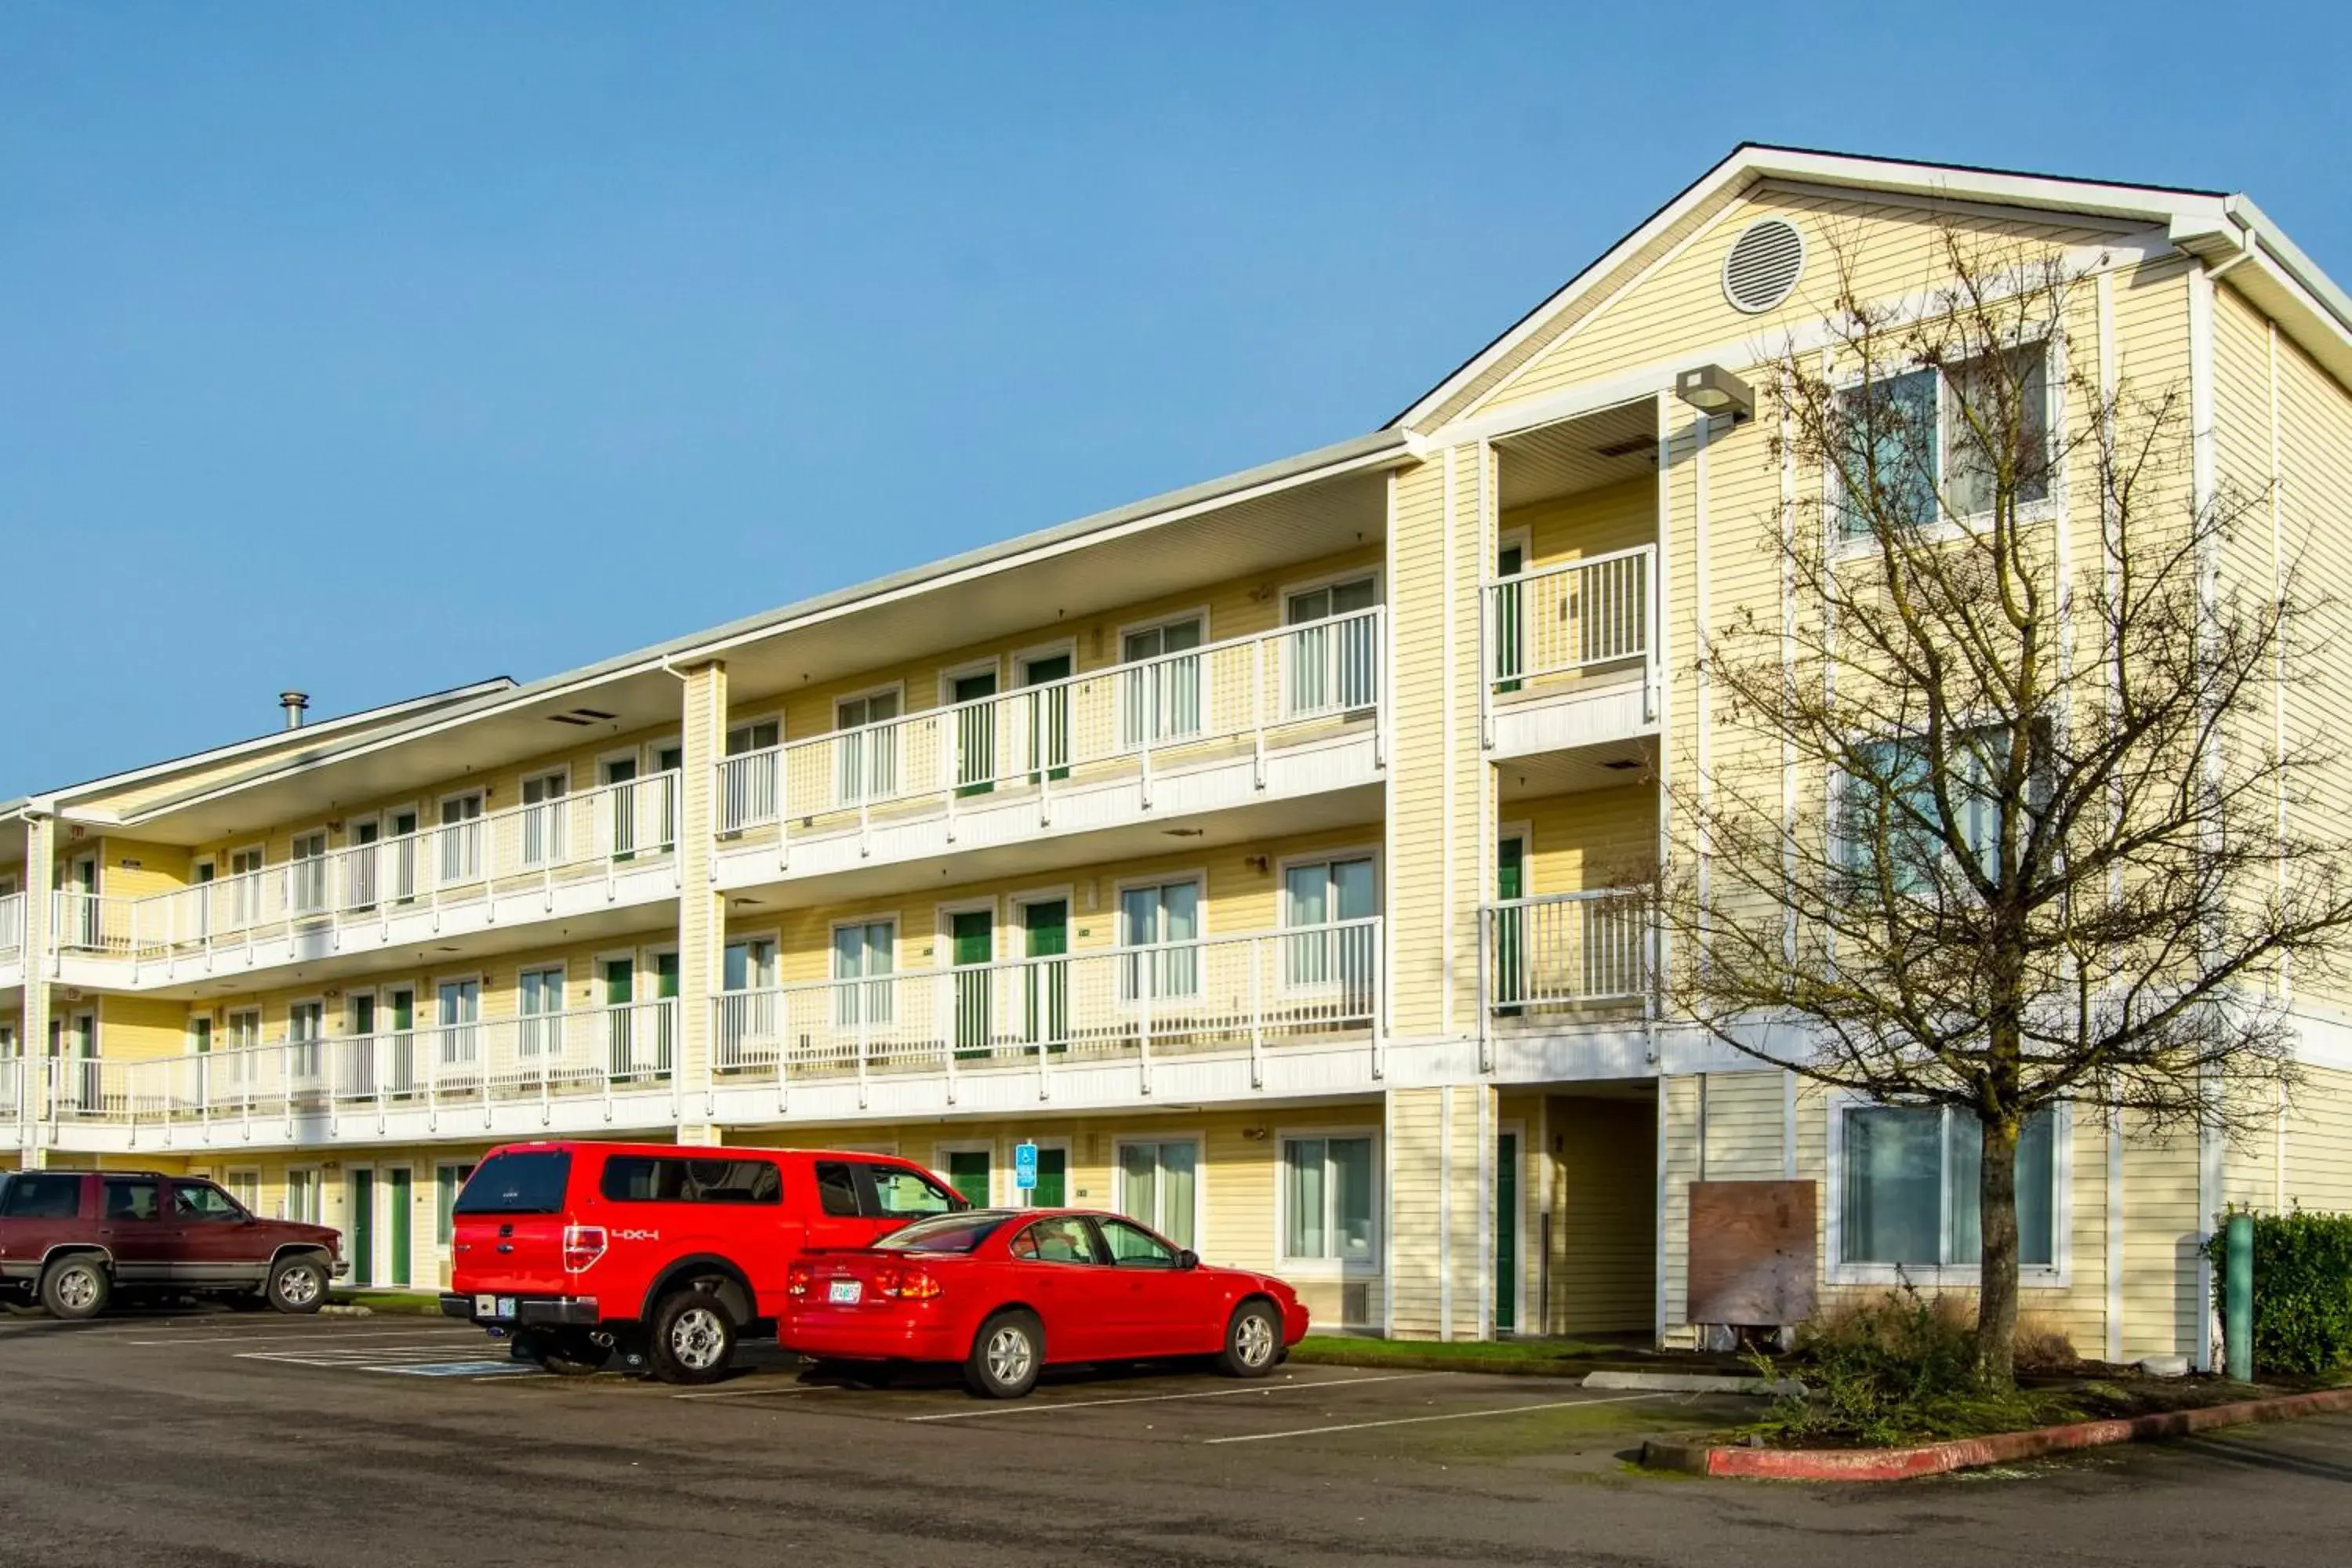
1248,848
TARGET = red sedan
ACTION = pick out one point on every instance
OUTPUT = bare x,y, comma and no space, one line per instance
1008,1292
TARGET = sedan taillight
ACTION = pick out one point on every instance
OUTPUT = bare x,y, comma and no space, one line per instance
906,1282
582,1245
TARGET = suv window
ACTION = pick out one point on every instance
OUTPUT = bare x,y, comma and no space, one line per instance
522,1182
677,1179
837,1189
41,1195
201,1200
898,1193
1134,1246
132,1198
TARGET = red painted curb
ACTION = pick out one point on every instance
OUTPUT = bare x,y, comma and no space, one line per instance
1935,1458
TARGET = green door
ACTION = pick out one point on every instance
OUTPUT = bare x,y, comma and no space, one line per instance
1510,650
1048,717
620,1017
361,1230
665,1021
968,1174
1052,1191
1506,1232
1045,929
1510,926
398,1190
973,932
975,732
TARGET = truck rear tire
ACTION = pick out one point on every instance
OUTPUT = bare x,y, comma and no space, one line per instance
76,1287
693,1337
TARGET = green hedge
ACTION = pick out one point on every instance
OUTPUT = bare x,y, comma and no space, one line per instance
2303,1290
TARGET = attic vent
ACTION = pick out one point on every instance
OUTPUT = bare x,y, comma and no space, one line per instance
1764,264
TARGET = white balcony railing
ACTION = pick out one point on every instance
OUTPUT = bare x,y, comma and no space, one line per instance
1134,1003
588,1053
598,833
1568,620
12,927
1564,951
12,1090
1247,692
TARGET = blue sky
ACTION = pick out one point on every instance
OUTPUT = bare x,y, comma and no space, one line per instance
374,350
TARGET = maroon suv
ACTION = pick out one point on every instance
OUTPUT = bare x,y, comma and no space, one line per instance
73,1239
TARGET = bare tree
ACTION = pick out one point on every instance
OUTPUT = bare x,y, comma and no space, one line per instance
1997,821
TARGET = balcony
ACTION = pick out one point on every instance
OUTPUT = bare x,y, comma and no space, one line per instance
1564,954
12,941
600,850
581,1071
1284,716
1271,1012
1570,660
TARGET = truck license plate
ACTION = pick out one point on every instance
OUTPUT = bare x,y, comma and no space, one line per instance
846,1293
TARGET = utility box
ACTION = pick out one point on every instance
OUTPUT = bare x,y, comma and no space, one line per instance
1755,1253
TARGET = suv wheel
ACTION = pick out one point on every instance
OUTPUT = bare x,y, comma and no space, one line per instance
76,1287
1252,1340
693,1337
297,1284
1006,1355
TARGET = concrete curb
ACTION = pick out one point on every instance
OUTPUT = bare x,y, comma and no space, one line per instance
1695,1383
1965,1453
345,1310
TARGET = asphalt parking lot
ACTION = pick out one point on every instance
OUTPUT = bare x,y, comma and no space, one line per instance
214,1438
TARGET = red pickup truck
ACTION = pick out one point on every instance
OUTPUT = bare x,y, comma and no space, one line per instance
73,1239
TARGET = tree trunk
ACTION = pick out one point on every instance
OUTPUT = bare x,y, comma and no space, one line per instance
1997,1218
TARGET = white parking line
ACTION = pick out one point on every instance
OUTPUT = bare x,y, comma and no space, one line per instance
1412,1420
770,1392
1160,1398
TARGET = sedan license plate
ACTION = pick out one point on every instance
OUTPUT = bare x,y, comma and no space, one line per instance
847,1292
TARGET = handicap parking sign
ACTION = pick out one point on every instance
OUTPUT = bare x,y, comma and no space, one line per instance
1024,1166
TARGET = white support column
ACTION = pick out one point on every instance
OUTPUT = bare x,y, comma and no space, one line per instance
701,908
39,939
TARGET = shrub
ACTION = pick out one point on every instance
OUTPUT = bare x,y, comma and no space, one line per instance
2043,1345
2303,1290
1898,1368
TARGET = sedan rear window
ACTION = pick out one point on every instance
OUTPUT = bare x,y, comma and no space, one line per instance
944,1233
39,1195
530,1183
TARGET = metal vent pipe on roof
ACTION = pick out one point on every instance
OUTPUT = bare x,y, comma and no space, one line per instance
296,704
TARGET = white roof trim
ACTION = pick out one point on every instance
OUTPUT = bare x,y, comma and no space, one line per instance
2176,210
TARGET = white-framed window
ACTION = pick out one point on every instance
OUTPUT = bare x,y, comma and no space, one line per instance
1892,420
866,765
1161,696
244,867
749,963
542,817
1164,920
459,1014
461,837
1330,1198
243,1028
539,1002
1331,669
864,953
305,1196
306,876
1159,1184
1905,1195
448,1180
306,1026
1319,898
243,1184
1898,782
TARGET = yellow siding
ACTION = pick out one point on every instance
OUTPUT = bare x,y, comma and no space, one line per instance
1417,754
1680,308
1604,1258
